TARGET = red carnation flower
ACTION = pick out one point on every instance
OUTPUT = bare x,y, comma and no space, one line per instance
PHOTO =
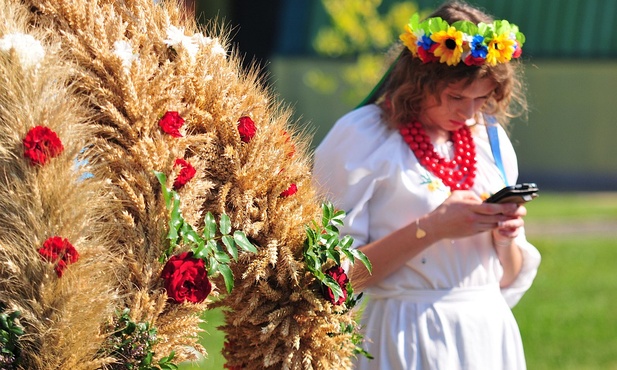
170,123
187,172
186,278
246,128
291,190
59,251
41,144
339,275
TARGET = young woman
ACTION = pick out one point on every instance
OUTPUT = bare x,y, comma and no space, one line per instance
411,168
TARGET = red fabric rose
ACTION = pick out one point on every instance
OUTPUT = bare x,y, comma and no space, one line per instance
187,172
170,123
59,251
246,128
41,144
186,278
291,190
341,278
428,56
470,60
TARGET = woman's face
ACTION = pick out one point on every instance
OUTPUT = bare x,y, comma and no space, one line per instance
458,105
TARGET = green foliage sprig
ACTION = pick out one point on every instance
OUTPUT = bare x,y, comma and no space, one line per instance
132,343
324,245
10,331
356,339
216,245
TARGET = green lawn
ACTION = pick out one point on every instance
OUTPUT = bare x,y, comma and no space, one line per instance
568,319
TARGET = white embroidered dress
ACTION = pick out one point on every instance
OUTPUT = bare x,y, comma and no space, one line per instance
443,309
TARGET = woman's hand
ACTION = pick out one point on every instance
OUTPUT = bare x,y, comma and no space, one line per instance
509,229
464,214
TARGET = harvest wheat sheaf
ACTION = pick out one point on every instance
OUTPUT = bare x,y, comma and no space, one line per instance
145,178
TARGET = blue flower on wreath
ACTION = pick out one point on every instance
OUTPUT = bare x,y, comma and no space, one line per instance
478,49
426,42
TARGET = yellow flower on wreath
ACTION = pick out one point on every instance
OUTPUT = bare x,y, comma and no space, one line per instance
450,46
410,40
500,49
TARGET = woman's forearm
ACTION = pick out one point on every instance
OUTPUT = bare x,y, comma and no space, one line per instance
511,259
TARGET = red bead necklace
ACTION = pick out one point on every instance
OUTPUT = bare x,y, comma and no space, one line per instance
458,173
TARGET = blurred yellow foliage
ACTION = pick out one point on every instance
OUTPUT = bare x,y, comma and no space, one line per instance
359,30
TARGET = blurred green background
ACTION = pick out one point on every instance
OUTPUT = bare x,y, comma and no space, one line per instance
322,56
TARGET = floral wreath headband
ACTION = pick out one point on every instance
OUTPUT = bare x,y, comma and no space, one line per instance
434,40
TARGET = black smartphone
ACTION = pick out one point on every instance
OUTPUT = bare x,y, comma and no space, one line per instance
519,193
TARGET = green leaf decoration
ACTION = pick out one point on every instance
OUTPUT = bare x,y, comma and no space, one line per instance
363,258
230,244
163,181
225,225
228,277
333,285
126,335
414,21
210,226
216,250
243,242
323,248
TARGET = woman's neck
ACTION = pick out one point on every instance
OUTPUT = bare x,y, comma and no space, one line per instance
438,135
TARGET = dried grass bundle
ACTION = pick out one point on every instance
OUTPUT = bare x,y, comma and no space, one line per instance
127,64
42,201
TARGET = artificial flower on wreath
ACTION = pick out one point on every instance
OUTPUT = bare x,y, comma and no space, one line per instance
187,172
339,275
40,144
435,40
500,49
246,128
450,46
186,278
291,190
60,251
171,122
